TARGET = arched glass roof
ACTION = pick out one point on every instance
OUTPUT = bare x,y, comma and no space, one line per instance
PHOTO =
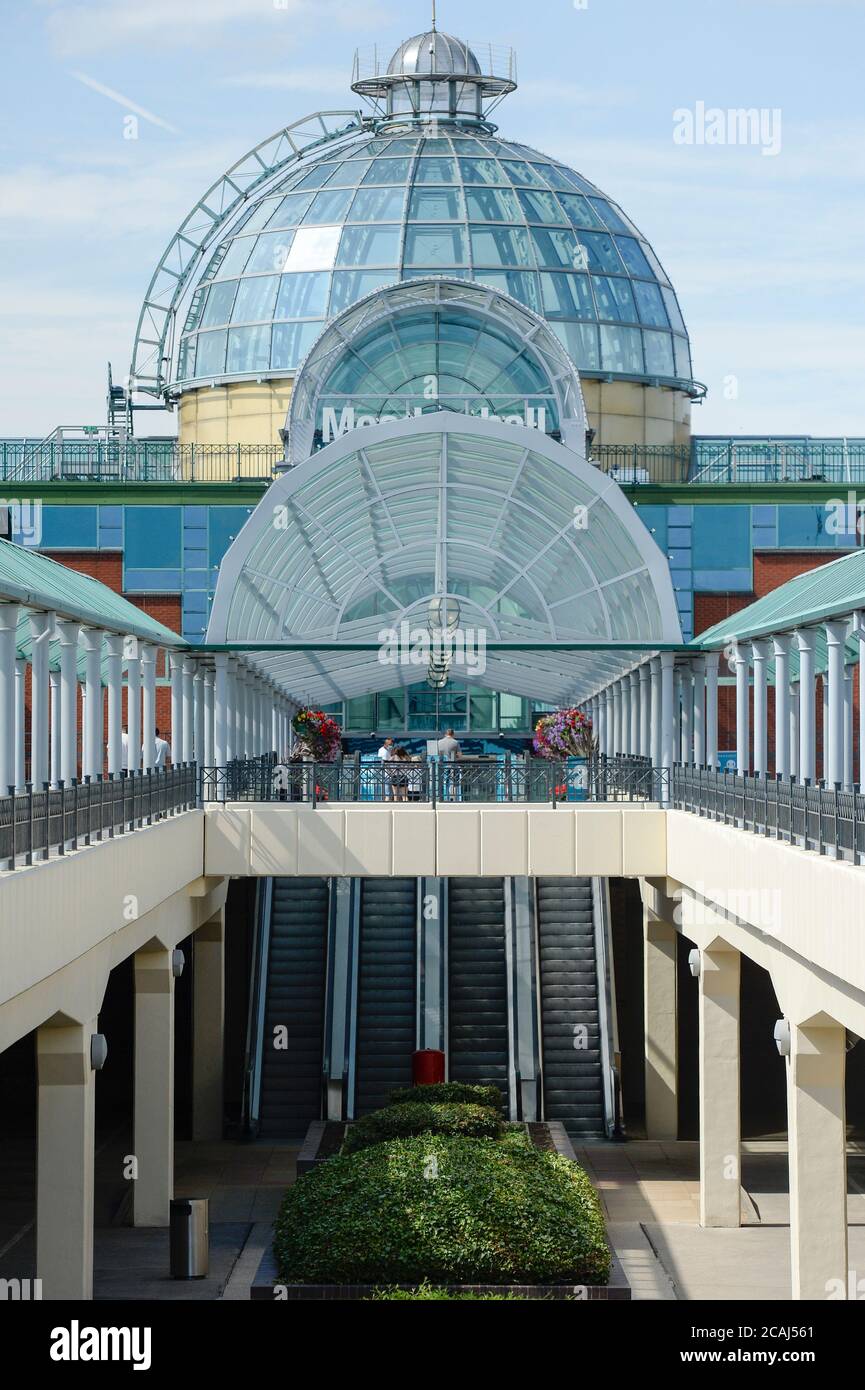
407,205
534,545
435,345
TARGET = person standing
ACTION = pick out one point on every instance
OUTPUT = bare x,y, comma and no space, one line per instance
448,751
162,754
385,755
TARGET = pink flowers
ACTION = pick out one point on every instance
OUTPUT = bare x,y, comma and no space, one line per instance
319,735
566,733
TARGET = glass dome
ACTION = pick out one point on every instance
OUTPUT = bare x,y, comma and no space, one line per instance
419,204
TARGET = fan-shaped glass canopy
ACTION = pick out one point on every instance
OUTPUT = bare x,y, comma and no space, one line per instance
540,554
435,345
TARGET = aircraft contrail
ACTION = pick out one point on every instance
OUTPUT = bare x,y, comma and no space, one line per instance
123,101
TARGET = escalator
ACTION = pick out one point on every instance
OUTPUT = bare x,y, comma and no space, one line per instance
571,1023
386,990
477,982
290,1086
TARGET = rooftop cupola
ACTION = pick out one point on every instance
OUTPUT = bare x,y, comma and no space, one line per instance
434,76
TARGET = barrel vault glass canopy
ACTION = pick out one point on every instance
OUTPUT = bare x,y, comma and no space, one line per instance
533,548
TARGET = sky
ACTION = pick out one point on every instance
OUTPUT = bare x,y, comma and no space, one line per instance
763,240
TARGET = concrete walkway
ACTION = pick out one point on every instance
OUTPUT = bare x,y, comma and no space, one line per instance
651,1195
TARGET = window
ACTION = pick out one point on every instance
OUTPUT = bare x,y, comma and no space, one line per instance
271,251
482,171
331,205
557,249
493,205
388,171
541,207
372,245
211,354
567,296
256,299
500,246
350,286
659,354
290,210
519,284
581,344
219,302
580,211
377,205
611,217
601,252
236,256
292,341
435,170
614,298
650,304
621,350
522,174
435,205
313,248
435,246
632,255
302,295
249,349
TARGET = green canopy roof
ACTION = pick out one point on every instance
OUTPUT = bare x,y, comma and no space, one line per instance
831,591
32,579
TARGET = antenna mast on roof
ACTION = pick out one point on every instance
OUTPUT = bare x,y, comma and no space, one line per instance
433,15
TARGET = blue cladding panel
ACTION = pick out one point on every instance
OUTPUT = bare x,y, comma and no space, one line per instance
808,527
153,538
155,581
225,523
722,537
69,528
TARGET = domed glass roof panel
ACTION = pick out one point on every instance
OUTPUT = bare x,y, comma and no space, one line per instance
402,206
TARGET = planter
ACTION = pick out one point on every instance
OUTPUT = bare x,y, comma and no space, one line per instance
323,1139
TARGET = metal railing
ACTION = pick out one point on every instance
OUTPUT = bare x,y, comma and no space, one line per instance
34,824
824,819
467,780
704,462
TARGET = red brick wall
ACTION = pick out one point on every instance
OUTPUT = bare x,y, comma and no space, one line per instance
772,568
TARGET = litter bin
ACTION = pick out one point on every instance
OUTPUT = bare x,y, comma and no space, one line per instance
427,1067
189,1238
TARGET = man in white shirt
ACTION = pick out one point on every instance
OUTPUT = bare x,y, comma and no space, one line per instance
385,755
162,752
448,750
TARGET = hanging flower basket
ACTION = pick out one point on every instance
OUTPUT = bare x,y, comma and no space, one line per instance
567,733
318,736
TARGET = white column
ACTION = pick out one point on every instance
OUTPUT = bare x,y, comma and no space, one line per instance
668,661
610,722
720,1181
743,721
760,657
713,660
220,709
677,712
20,716
8,644
231,750
793,704
824,685
209,755
276,740
817,1146
617,717
634,707
56,725
600,724
781,650
132,652
94,742
699,669
175,666
242,743
660,1027
861,623
148,705
807,639
41,628
836,636
67,633
64,1163
644,677
153,1095
198,716
188,709
686,752
848,727
114,678
656,751
208,1026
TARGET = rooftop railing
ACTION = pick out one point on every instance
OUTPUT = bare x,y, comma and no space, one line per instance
39,824
704,462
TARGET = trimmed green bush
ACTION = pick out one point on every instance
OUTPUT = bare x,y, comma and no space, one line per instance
443,1210
449,1093
425,1293
401,1121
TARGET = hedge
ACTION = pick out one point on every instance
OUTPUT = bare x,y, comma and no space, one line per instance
443,1210
449,1093
400,1121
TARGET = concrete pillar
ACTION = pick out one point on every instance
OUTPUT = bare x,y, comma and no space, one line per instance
848,727
242,741
188,710
66,1091
781,652
634,707
720,1132
760,658
610,722
686,751
94,743
860,621
655,725
836,636
618,741
114,680
41,628
743,719
20,778
713,661
148,705
208,1025
668,662
824,688
67,633
793,707
699,728
132,653
220,710
644,676
817,1139
8,642
175,666
807,640
231,748
677,712
661,1035
153,1116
